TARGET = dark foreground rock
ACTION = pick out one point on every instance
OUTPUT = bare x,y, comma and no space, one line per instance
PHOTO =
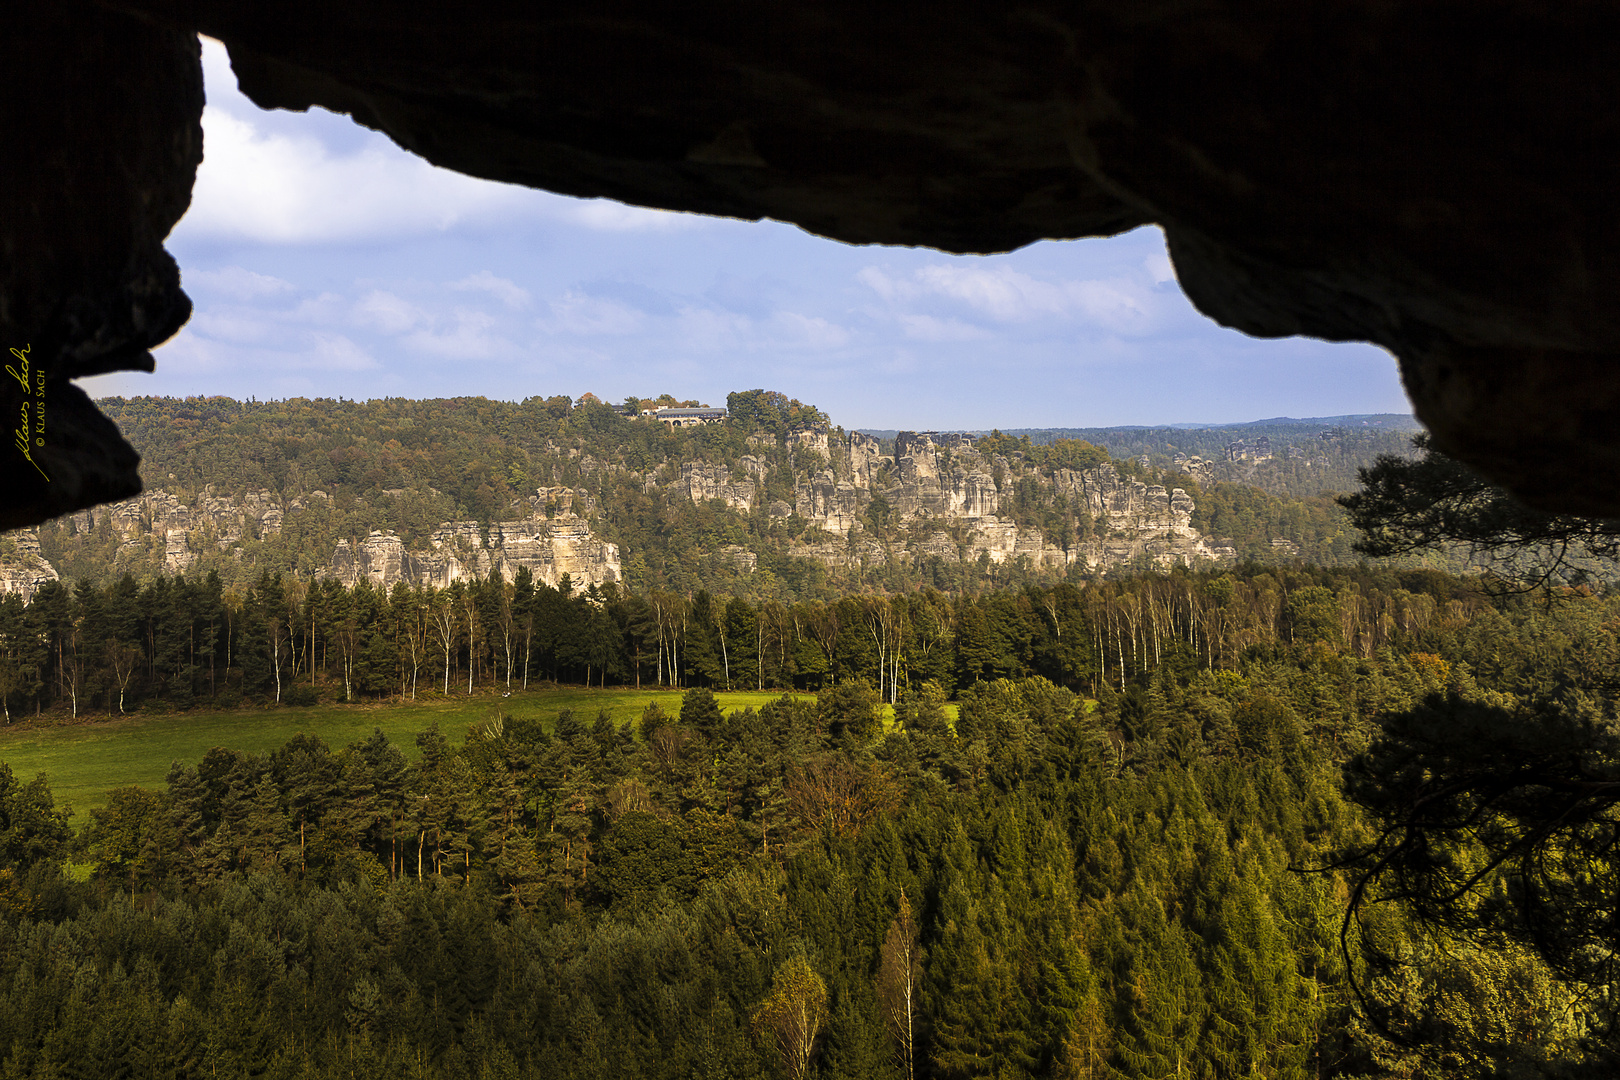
1437,179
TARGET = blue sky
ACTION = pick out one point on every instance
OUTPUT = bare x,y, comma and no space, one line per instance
325,261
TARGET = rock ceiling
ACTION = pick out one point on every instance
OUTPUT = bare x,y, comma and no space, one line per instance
1438,179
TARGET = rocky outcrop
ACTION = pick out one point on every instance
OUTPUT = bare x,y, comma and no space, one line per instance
380,559
703,482
461,550
830,503
1196,467
552,538
946,499
160,522
936,497
551,535
22,569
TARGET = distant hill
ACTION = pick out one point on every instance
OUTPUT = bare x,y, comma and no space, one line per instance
1289,457
1391,421
771,502
1386,421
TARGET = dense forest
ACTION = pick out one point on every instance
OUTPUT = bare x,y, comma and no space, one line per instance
1265,820
180,642
407,467
1130,856
1292,459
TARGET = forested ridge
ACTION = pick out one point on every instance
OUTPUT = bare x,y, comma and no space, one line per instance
1296,460
407,467
1125,859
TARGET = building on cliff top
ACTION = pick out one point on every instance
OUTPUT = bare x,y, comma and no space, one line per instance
689,417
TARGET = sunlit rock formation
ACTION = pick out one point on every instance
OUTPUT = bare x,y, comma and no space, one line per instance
943,499
463,550
22,569
552,540
158,532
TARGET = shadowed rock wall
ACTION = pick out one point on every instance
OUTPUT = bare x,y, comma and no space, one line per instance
100,132
1437,178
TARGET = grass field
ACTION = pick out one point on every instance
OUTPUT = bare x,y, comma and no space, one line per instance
84,760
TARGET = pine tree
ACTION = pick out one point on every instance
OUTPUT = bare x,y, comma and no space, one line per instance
264,832
1258,1020
978,1009
1164,1008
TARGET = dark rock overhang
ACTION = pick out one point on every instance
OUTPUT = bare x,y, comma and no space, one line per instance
1438,179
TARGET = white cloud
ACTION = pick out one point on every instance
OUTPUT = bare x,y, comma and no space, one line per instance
580,313
1005,295
325,308
195,353
885,286
928,328
710,329
230,325
610,216
1115,305
1159,268
386,312
1000,292
334,352
507,292
337,333
236,282
186,354
810,330
283,190
471,339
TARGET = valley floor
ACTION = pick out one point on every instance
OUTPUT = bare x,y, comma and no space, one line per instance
85,759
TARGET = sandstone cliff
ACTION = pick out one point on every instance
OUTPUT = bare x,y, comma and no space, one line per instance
943,498
833,498
22,570
460,550
158,531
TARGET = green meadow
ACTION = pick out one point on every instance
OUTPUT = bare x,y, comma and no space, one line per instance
85,759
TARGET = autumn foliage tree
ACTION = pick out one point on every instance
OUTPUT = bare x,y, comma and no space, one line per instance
792,1018
898,981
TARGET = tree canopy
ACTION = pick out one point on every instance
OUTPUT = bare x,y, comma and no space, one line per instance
1433,501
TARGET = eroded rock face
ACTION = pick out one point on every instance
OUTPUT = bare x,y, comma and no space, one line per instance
553,540
462,550
936,497
158,522
943,497
1434,178
157,530
22,569
703,482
